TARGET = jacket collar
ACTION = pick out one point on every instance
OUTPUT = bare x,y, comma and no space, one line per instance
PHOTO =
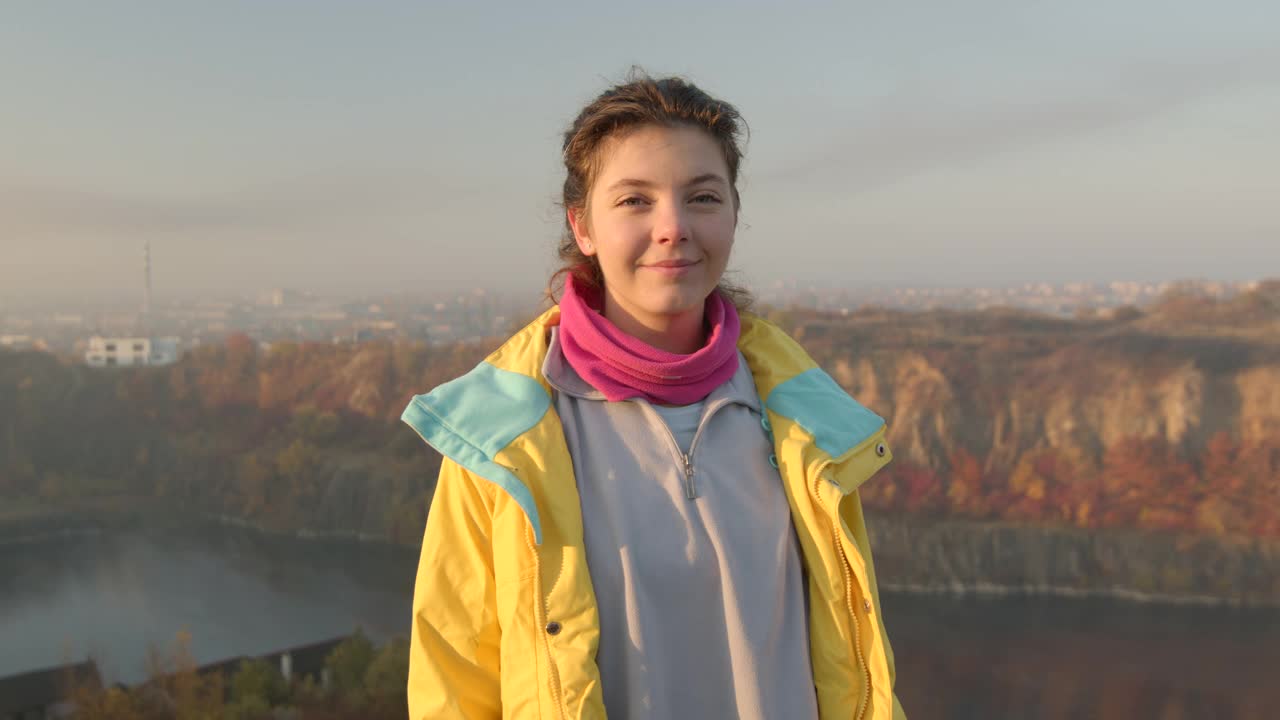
483,419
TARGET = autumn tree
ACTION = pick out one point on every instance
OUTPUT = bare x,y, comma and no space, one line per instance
965,493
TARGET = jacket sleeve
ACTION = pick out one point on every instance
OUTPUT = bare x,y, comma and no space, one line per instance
851,514
454,642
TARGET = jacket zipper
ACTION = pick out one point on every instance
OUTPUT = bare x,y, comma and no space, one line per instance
541,612
686,459
846,568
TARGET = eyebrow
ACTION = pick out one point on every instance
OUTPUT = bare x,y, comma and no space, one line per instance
632,182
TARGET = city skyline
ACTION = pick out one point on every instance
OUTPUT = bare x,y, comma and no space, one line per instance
395,147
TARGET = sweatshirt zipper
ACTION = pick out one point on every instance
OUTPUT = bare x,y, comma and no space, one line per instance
690,491
686,459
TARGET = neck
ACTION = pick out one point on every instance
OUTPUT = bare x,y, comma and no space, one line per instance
680,333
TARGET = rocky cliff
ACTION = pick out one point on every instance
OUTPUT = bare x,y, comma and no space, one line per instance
1163,419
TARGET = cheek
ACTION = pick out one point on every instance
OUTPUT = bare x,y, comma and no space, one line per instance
720,239
628,242
619,247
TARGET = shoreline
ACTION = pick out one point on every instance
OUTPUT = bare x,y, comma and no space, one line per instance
34,528
309,535
74,522
984,590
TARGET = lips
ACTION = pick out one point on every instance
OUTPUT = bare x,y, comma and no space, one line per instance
673,263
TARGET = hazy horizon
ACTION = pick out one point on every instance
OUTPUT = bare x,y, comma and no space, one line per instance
396,147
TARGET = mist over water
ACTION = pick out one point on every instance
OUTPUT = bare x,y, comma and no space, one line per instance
241,592
237,592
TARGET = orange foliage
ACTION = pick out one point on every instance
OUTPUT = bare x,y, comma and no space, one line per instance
1141,483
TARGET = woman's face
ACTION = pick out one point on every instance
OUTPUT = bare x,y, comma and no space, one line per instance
660,221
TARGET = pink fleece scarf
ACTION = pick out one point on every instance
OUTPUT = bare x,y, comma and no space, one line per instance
622,367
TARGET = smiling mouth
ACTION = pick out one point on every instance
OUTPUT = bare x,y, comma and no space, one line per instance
673,264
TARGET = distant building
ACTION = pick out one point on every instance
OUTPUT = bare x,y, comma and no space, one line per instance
305,660
130,351
42,694
279,297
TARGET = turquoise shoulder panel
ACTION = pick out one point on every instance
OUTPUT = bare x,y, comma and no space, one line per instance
837,422
470,419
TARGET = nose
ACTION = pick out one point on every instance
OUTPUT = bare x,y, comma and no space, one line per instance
671,224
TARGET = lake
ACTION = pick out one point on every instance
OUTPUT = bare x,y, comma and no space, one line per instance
237,591
241,592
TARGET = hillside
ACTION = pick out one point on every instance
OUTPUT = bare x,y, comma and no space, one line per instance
1162,423
1165,419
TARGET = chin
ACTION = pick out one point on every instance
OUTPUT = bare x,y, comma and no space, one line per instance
675,303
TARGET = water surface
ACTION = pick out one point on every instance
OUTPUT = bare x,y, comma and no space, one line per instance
237,592
240,592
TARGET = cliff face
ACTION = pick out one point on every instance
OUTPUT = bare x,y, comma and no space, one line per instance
1085,391
1168,419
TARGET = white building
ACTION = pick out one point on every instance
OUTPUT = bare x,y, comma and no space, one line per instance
130,351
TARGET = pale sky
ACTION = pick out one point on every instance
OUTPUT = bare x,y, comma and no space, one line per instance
362,146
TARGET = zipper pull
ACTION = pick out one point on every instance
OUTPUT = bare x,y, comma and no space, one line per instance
688,477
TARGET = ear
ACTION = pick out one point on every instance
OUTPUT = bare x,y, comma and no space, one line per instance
580,235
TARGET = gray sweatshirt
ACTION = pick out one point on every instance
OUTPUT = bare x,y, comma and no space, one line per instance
693,557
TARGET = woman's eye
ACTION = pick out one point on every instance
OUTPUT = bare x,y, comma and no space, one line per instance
704,198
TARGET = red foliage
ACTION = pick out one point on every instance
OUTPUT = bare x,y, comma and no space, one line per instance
1142,483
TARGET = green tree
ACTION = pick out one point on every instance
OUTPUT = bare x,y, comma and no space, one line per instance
348,664
250,708
299,465
387,678
314,426
253,480
258,680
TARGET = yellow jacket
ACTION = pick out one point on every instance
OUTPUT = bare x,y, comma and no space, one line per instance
504,614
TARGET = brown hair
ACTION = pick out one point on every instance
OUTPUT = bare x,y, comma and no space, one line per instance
641,100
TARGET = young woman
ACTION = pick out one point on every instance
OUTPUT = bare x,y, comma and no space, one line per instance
648,505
